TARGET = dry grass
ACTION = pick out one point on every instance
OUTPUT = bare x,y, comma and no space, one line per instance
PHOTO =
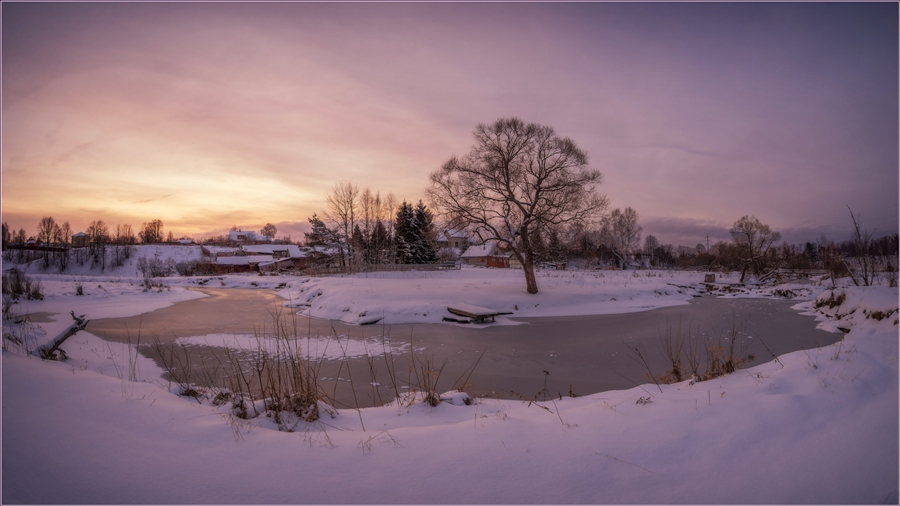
706,357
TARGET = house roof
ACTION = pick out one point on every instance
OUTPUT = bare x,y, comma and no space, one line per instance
480,250
248,235
248,260
293,250
460,234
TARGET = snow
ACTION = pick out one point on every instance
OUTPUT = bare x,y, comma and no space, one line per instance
423,297
318,348
816,426
243,260
480,250
293,250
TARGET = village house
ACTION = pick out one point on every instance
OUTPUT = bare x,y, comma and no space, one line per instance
288,255
79,240
485,255
247,237
451,244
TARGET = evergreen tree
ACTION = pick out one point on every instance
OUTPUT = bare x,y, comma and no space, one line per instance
424,250
555,248
414,235
360,243
379,242
322,239
405,233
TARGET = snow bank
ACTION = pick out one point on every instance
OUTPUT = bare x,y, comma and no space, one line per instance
817,426
423,297
315,348
164,252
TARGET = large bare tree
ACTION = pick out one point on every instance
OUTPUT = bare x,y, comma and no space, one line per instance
518,179
753,239
621,233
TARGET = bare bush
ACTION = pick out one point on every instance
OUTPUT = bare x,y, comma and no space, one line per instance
155,267
720,355
17,285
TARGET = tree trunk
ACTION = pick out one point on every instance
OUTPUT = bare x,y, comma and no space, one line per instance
49,350
528,267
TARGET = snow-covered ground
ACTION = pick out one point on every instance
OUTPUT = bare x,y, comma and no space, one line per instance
817,426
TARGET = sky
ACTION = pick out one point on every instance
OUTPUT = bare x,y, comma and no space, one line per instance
209,115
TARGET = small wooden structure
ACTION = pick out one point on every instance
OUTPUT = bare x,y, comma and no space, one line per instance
476,313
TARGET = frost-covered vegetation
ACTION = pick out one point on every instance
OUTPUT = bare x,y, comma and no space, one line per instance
814,426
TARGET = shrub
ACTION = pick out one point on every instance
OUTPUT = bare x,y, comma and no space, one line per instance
186,268
17,284
155,267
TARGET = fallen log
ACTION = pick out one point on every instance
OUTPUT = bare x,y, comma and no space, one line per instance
51,350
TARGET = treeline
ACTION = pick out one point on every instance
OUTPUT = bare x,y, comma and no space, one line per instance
360,227
56,245
754,249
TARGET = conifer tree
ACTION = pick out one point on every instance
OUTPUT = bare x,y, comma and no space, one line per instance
404,233
424,241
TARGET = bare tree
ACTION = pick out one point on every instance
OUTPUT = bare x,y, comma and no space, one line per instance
122,244
269,231
753,239
65,233
45,230
343,210
651,243
151,232
519,178
386,216
621,233
862,269
368,205
98,235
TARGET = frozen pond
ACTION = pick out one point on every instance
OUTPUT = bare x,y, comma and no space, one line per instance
581,354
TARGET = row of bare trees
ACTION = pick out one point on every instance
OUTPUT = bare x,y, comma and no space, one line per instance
360,227
102,245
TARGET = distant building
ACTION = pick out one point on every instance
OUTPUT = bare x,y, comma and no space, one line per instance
485,255
458,239
451,243
295,257
242,236
79,240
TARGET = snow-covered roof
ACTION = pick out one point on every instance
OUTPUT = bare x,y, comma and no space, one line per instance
460,234
247,260
481,250
241,235
79,234
293,250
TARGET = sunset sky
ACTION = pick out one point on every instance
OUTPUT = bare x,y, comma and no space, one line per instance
208,115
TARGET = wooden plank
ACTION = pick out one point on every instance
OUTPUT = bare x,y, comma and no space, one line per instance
477,313
471,311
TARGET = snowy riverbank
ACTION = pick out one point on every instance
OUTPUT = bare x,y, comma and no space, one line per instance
818,426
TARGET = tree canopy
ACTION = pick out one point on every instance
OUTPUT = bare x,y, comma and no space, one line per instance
517,179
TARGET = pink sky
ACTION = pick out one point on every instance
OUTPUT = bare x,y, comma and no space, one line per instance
208,115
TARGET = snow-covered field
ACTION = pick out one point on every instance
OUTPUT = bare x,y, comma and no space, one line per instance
818,426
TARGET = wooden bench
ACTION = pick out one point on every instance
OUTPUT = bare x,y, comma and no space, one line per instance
476,313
